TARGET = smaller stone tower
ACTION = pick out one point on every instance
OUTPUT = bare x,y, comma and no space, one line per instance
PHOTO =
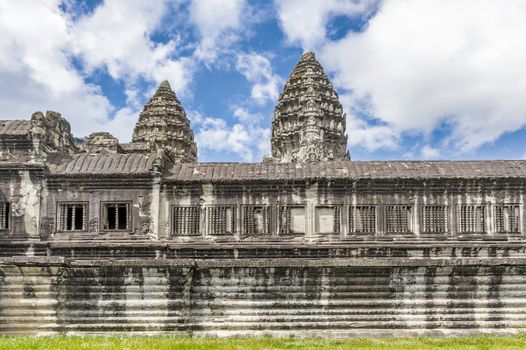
163,125
308,123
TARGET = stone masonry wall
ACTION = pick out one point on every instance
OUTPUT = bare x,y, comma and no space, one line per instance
22,189
319,194
149,280
478,290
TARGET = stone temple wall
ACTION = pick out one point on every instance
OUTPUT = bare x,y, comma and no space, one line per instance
314,197
333,291
151,279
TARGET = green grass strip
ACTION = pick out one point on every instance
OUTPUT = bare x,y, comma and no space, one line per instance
259,343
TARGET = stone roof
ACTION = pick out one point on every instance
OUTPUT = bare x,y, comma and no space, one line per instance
14,127
143,164
353,170
101,164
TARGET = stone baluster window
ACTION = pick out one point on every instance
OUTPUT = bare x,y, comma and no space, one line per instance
292,220
471,219
5,215
327,219
398,219
221,220
256,220
337,219
116,216
362,219
434,219
507,218
72,217
186,220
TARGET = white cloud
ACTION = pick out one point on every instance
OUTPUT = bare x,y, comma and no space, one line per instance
420,65
305,21
37,45
369,136
258,70
245,139
116,37
24,25
35,73
244,116
122,123
428,152
218,22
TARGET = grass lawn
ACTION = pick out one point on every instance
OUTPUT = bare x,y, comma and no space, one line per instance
187,343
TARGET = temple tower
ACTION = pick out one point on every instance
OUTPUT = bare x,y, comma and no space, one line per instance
308,123
163,125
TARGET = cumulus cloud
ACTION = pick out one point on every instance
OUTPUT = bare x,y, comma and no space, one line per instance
245,139
23,26
244,116
304,22
371,137
257,69
429,152
36,74
117,37
369,133
424,64
218,23
39,41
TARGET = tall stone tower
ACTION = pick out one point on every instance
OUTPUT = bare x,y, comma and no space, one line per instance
308,123
163,125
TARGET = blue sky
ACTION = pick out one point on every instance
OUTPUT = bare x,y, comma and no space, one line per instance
418,79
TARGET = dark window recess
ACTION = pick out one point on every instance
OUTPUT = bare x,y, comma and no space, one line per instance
72,217
5,213
116,216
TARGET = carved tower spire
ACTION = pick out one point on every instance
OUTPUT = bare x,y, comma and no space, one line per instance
308,123
163,125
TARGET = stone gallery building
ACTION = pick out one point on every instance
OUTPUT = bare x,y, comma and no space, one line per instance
101,236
